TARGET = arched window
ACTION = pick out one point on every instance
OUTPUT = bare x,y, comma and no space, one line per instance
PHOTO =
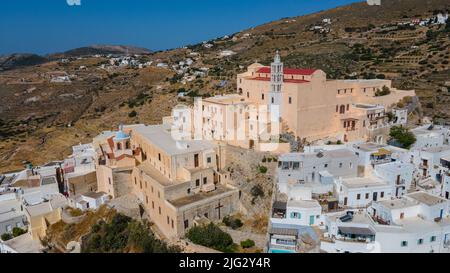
342,109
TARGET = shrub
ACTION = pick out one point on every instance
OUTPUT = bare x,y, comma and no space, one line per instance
383,92
211,236
257,191
262,169
6,236
17,231
247,243
132,114
232,222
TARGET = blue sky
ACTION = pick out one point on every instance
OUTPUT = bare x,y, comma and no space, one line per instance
48,26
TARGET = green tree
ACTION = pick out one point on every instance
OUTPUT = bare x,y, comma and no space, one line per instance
211,236
403,136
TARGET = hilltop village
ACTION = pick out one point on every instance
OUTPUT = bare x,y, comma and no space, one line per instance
291,162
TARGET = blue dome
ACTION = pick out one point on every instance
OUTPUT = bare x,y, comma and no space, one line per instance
120,135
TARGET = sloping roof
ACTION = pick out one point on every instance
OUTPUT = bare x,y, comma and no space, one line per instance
289,71
356,230
284,231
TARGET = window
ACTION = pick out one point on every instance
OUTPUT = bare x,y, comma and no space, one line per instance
159,157
290,100
382,194
262,96
146,199
420,241
348,107
197,182
168,220
153,205
188,191
296,215
358,196
325,166
186,224
135,183
273,100
205,180
159,195
109,180
337,108
208,159
172,223
433,239
340,165
119,147
367,196
404,243
159,209
296,165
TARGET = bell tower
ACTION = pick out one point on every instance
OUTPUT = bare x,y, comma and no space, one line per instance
276,82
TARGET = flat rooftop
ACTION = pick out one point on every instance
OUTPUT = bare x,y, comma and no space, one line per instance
369,146
304,204
160,136
363,182
194,198
24,244
439,149
227,99
426,198
331,154
398,203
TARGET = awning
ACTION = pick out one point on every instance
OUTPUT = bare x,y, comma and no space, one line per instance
357,231
382,152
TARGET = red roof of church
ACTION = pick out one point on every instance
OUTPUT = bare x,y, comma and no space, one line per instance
289,71
284,80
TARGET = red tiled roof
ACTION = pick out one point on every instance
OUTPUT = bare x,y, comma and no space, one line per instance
285,80
289,71
123,156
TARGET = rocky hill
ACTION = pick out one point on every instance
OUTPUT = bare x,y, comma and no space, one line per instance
102,50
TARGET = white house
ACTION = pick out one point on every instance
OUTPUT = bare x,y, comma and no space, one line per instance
298,212
398,174
315,169
359,192
90,200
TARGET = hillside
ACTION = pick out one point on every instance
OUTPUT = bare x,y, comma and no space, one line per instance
41,119
101,50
